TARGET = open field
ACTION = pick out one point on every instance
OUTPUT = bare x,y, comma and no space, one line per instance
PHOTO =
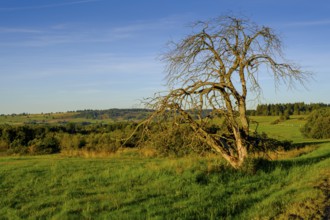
286,130
128,185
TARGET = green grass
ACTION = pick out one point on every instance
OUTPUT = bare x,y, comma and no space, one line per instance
130,186
285,130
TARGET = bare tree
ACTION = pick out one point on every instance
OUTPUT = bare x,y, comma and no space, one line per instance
214,68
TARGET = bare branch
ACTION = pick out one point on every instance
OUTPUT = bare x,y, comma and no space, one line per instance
213,68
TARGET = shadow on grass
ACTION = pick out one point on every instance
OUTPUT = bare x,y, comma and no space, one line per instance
260,142
268,166
309,143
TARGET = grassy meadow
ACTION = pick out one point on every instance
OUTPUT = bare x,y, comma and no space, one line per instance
132,185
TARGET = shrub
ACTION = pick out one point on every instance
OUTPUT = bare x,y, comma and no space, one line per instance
276,122
261,143
47,145
176,140
253,165
4,146
284,117
318,124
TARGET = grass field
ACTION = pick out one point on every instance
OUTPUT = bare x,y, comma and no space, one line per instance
286,130
128,185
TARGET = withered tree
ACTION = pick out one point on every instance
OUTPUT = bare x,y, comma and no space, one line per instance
214,68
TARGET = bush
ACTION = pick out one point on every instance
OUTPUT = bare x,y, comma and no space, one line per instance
174,140
4,146
261,143
284,117
44,139
253,165
276,122
318,124
47,145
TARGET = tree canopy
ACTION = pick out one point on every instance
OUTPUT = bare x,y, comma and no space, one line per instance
318,124
214,68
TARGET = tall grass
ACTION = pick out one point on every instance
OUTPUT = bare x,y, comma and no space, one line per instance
133,184
129,186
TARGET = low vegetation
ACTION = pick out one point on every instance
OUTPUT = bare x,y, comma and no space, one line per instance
196,155
55,138
135,183
129,186
286,109
318,124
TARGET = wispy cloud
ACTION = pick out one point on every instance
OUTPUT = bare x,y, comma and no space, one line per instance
57,34
161,24
308,23
80,92
47,6
98,66
19,30
69,33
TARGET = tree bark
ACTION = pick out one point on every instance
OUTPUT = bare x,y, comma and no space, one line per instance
217,145
243,117
202,67
241,148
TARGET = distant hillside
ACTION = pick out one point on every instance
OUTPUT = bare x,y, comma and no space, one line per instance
114,114
80,116
299,108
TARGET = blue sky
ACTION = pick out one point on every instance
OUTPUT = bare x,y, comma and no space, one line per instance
61,55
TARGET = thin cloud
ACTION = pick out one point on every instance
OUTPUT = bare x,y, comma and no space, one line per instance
19,30
48,6
308,23
65,33
96,65
55,35
161,24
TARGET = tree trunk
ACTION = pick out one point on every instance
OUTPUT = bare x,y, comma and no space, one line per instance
241,148
236,163
243,118
219,146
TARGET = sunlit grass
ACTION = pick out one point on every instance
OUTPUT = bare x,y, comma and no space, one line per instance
134,184
135,187
284,130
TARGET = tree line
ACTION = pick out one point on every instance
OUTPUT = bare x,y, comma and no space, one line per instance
48,139
169,139
115,114
318,124
36,139
281,109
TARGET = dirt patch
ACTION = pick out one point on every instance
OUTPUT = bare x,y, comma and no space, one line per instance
325,187
316,208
